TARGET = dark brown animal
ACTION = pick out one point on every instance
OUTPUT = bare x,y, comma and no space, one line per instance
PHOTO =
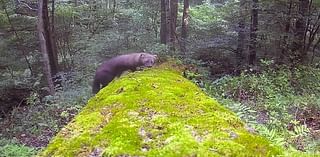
114,67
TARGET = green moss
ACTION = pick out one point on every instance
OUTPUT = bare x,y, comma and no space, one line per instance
156,112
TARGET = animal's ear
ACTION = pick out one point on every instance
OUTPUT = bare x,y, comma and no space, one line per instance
155,56
142,55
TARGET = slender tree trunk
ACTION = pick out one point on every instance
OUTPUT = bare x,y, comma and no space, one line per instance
184,26
52,17
169,12
284,45
309,29
42,31
168,20
299,53
163,25
114,6
94,6
155,27
53,41
108,4
313,33
253,32
173,23
53,59
314,50
241,33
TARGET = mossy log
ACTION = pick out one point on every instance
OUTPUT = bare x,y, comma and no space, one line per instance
156,112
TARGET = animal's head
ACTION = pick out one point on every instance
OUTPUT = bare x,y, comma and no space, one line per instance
148,60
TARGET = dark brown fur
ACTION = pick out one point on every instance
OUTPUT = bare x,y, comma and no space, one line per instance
114,67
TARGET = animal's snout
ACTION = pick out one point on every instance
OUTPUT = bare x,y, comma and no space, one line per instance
149,65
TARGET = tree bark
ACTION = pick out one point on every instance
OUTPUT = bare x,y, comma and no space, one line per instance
173,23
52,54
298,50
168,20
42,32
241,33
284,45
314,50
184,26
253,32
169,12
114,6
108,4
55,64
163,23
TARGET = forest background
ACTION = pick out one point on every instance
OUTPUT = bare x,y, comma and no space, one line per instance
259,58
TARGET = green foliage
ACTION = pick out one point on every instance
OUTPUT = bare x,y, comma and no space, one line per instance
33,99
271,101
306,80
3,19
66,11
43,117
204,14
274,88
244,112
158,48
299,130
140,29
272,134
316,3
9,148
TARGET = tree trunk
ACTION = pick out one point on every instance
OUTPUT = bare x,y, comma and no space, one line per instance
173,23
169,12
284,45
42,31
114,6
314,50
184,26
168,20
299,53
108,4
163,25
241,33
53,58
253,32
55,64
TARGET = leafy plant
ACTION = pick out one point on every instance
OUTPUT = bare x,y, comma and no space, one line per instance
275,101
271,134
9,148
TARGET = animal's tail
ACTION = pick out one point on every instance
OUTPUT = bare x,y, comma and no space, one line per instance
95,86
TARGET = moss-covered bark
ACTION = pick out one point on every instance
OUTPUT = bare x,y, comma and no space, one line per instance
156,112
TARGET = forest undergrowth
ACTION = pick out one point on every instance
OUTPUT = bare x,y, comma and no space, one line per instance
279,102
